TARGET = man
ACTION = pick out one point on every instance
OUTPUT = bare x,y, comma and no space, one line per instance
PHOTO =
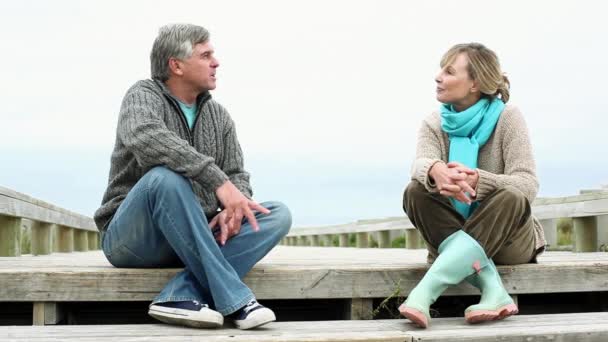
178,193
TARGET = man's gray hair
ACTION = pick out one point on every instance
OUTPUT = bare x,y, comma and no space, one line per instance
177,41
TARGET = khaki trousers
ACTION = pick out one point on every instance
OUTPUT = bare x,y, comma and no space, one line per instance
502,224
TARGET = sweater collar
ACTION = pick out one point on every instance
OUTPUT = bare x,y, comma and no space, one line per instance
200,99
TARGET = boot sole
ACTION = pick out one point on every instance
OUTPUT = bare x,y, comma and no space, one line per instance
415,316
480,316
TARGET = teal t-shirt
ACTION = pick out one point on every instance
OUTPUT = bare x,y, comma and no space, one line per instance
189,112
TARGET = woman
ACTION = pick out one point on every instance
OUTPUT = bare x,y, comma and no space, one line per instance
472,184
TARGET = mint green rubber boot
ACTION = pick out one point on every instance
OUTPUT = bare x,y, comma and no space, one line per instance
459,256
495,302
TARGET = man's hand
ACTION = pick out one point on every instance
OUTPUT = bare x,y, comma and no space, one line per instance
223,228
236,206
451,181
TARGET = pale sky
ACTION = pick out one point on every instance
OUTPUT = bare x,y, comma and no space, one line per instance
327,95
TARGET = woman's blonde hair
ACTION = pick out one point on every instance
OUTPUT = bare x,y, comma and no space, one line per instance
483,67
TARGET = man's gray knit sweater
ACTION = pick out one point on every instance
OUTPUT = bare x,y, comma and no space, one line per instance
153,131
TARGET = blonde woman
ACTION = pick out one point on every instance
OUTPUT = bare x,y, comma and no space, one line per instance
472,184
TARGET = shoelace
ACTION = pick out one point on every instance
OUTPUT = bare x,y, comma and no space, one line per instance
197,303
250,306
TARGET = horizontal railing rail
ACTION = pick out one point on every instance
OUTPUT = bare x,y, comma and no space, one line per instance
588,212
47,227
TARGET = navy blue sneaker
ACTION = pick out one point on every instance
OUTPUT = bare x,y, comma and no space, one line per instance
189,313
252,315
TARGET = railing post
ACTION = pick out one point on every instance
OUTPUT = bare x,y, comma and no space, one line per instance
602,232
362,240
585,231
314,240
41,238
344,240
302,241
10,236
47,313
328,240
384,239
412,239
81,242
65,239
359,308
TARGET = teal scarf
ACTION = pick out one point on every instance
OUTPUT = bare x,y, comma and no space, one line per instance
468,131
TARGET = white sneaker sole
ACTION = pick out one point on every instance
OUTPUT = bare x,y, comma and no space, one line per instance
256,319
196,319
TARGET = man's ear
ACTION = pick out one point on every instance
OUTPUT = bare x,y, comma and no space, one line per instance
175,65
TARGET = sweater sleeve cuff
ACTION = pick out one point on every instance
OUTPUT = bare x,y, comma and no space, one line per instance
486,184
421,173
212,177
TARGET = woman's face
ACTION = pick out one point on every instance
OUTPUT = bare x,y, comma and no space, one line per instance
455,86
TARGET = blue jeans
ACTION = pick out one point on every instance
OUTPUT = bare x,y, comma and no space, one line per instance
161,224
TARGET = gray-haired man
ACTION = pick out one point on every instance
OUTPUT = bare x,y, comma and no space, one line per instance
178,193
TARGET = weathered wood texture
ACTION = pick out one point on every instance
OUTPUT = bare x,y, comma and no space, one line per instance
361,226
581,327
359,308
586,210
47,220
46,313
13,203
10,236
590,204
288,273
41,238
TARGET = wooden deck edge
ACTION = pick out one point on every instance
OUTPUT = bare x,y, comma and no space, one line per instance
589,327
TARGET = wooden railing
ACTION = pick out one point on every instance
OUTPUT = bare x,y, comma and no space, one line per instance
51,228
588,212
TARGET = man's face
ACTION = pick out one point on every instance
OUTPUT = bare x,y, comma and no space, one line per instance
199,69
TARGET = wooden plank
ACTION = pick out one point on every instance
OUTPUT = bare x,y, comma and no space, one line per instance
288,273
16,204
332,331
579,327
366,226
10,236
592,204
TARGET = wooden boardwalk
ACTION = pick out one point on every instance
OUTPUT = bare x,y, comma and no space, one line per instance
357,275
587,327
287,273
